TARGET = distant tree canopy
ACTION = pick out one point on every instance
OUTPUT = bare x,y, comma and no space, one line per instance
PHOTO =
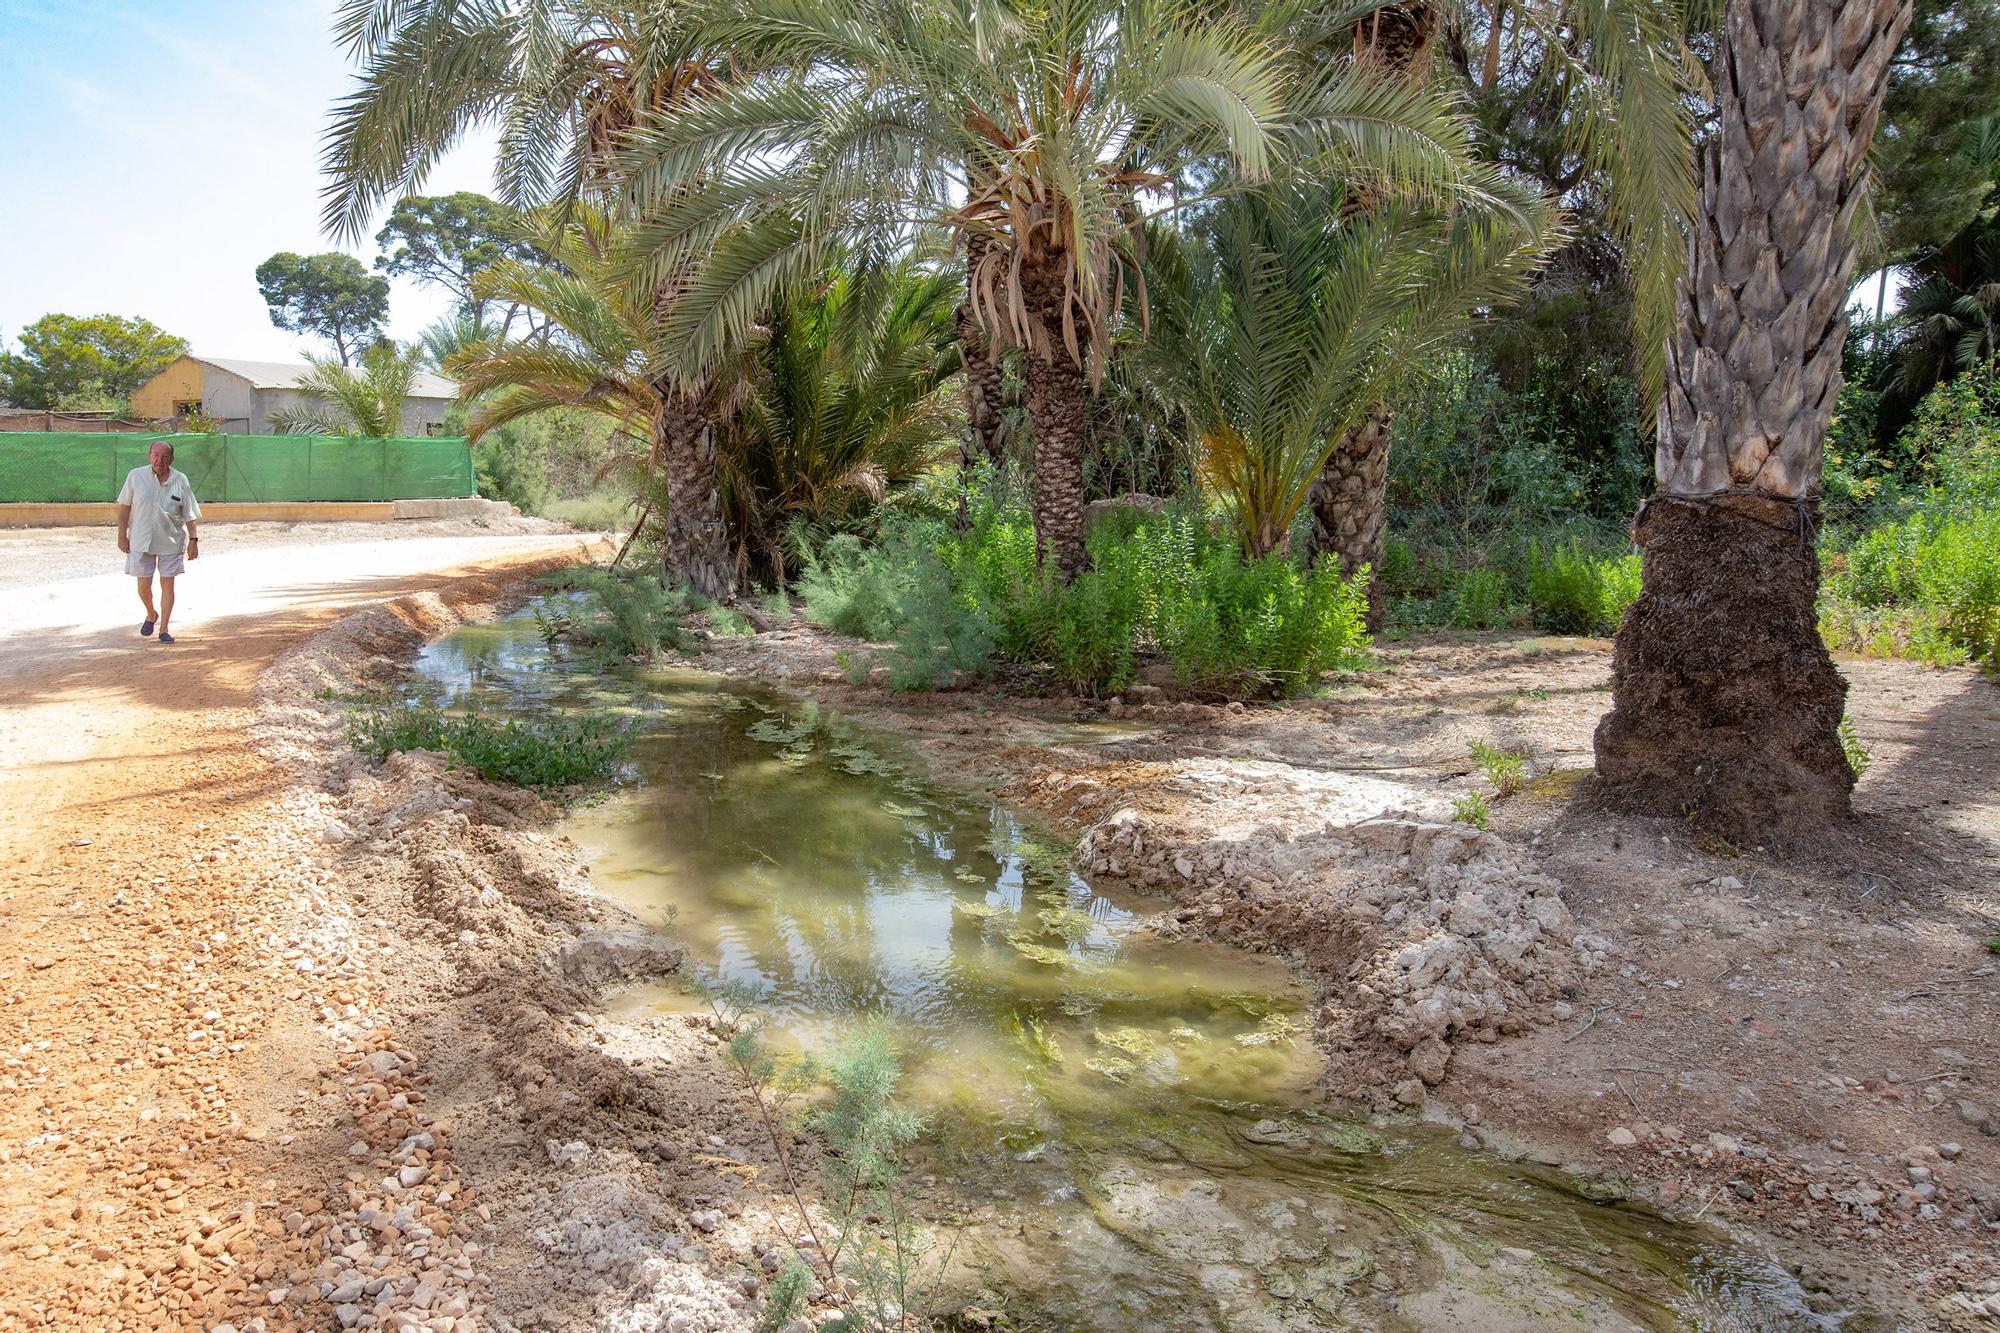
329,296
84,362
447,241
1943,83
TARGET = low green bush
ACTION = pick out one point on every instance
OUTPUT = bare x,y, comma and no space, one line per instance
1940,569
950,605
511,470
1573,590
1485,599
596,511
624,614
545,753
1472,809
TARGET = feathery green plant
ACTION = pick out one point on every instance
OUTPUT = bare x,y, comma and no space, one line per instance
365,400
1285,327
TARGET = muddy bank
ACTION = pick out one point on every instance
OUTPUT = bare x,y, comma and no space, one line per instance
1783,1042
592,1175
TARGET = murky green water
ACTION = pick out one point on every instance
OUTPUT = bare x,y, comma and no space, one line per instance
1127,1121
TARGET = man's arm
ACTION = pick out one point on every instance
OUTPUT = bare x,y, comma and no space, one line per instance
194,540
124,528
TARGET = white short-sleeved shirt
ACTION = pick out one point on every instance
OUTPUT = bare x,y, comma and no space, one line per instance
161,510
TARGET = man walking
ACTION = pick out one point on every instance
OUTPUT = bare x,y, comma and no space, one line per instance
157,518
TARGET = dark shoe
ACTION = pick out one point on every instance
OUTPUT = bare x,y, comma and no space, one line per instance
145,629
166,637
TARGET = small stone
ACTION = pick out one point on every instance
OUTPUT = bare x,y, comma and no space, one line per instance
1428,1060
1275,1132
1972,1113
412,1176
1948,1151
705,1219
1409,1092
1621,1137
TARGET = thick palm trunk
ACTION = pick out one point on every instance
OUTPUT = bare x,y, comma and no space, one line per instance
1058,413
1725,704
1350,507
1058,420
1350,498
697,540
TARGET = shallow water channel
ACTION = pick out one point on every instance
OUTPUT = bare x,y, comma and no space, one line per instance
1126,1125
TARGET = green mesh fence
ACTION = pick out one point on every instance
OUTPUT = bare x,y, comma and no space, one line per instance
237,469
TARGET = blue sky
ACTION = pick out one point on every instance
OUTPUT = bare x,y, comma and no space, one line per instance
152,155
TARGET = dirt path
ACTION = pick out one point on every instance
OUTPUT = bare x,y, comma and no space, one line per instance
168,969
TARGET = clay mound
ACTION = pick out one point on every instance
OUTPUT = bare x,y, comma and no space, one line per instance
1417,932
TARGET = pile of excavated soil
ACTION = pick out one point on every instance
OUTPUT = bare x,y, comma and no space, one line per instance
1418,932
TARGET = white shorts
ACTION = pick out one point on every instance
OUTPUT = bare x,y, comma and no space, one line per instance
143,564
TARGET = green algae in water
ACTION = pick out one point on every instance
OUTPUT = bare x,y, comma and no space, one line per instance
1037,952
1119,1186
1069,922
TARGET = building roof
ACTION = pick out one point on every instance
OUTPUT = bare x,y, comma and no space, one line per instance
285,375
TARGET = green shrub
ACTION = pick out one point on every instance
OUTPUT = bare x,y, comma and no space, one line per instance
624,614
1573,591
560,750
1483,600
951,603
900,592
1472,809
514,470
1940,560
596,511
725,621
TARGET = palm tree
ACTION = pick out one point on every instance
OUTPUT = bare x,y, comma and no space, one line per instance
850,397
1038,136
364,400
596,353
1291,327
566,83
452,333
1725,705
604,338
1621,71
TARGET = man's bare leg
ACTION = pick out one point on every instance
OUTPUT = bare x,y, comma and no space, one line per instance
166,602
146,595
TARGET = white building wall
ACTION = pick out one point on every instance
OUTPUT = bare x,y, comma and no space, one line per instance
230,399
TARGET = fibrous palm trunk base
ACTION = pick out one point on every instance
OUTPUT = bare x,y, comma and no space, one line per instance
1058,405
1350,506
1726,708
696,538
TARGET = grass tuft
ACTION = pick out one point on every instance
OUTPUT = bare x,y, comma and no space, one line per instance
545,753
